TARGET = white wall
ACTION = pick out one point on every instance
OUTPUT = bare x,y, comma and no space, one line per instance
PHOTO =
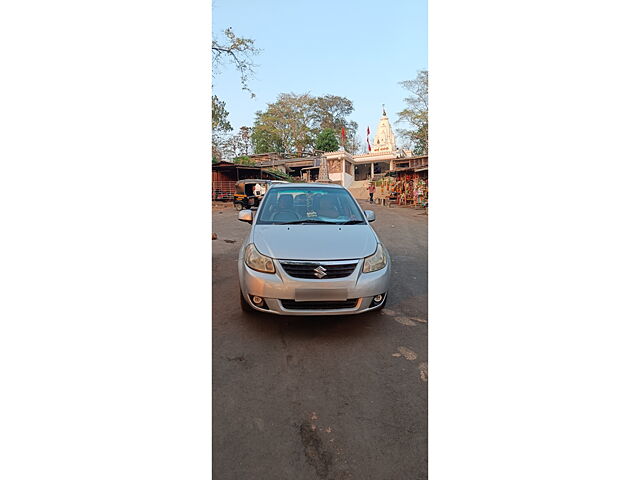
347,180
335,176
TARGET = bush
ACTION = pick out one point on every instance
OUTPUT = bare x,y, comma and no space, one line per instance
244,160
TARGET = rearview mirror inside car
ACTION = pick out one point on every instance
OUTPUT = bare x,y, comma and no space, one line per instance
245,216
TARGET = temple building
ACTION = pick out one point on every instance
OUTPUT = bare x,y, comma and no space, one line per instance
347,169
385,140
384,156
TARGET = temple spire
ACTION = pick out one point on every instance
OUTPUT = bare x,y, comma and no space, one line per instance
385,140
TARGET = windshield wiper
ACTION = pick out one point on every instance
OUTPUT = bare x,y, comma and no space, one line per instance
352,222
298,222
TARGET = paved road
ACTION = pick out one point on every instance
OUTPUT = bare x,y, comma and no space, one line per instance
325,397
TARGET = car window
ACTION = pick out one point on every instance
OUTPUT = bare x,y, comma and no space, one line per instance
308,205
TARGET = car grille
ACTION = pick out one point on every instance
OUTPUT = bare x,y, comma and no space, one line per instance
293,305
310,270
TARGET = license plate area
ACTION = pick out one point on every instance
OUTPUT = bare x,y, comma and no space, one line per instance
320,294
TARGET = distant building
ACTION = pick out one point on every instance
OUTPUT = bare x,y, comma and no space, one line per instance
344,167
226,174
384,152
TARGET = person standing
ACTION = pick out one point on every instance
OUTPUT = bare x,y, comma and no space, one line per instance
372,190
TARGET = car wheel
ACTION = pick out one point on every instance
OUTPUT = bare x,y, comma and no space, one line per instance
244,305
237,206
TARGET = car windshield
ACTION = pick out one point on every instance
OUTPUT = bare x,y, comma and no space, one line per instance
304,205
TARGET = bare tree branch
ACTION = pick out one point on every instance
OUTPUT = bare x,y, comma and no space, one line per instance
240,51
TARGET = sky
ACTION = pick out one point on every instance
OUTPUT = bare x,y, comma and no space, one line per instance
351,48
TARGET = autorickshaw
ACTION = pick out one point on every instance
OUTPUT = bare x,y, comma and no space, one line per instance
245,197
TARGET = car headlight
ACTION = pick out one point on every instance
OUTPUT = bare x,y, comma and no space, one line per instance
255,260
375,262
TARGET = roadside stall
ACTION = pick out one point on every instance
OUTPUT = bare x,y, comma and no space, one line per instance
405,187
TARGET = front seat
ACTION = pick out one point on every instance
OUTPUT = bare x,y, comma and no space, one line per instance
300,205
285,211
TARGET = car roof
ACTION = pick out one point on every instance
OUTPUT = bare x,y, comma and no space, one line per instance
306,185
253,180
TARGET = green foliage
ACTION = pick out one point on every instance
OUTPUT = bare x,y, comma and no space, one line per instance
220,127
416,113
293,122
327,141
280,174
352,141
286,123
265,140
240,52
244,160
219,114
330,111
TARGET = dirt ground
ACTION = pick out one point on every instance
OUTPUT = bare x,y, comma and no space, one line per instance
322,397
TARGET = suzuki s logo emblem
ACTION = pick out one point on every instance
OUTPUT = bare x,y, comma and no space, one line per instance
320,271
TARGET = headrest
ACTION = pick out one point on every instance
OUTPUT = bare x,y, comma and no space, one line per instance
285,199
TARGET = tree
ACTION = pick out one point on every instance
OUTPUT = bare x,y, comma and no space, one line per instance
416,113
239,51
327,141
286,124
352,143
293,122
244,140
238,145
219,115
220,126
265,140
330,111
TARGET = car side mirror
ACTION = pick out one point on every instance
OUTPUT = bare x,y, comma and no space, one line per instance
371,216
245,216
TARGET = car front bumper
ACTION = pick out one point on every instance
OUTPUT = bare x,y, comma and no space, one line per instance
275,287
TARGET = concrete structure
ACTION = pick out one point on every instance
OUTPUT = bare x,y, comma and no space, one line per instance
353,171
384,140
384,152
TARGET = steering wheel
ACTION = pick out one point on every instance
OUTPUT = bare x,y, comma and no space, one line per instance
285,216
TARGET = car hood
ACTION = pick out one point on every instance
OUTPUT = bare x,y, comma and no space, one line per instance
315,242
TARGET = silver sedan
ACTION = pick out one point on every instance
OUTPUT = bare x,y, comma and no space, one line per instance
311,251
